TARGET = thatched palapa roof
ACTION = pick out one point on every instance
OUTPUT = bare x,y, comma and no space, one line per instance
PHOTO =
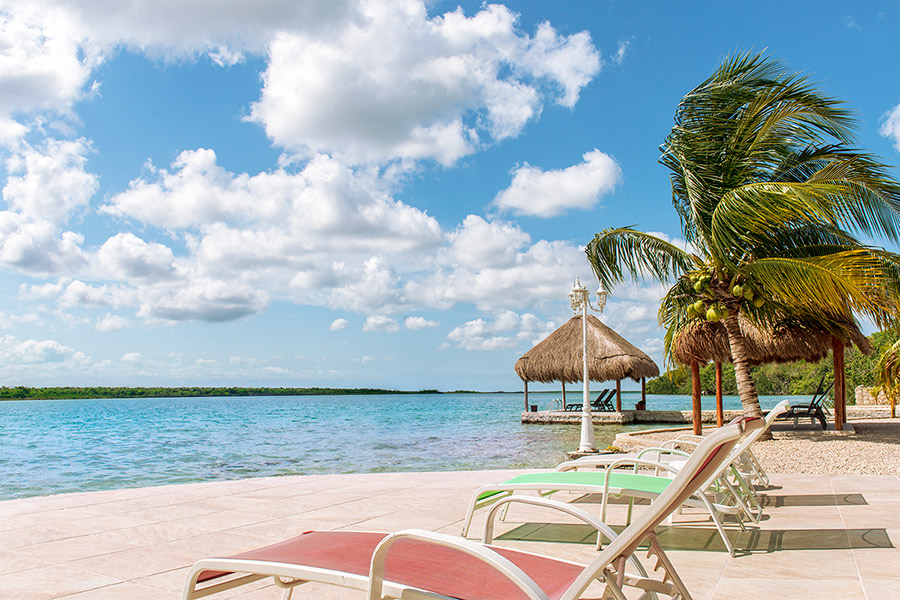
559,358
705,342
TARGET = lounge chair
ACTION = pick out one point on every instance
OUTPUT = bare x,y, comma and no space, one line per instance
717,496
813,409
747,465
417,564
602,403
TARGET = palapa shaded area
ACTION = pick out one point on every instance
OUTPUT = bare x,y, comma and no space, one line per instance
559,356
706,342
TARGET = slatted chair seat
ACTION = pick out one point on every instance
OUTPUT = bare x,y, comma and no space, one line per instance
412,563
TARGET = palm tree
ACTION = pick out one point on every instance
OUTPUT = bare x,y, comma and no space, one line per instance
887,376
772,201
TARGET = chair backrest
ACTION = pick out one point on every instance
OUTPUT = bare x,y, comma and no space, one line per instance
710,457
602,400
780,408
820,394
750,438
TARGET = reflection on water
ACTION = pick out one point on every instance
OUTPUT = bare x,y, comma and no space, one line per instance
84,445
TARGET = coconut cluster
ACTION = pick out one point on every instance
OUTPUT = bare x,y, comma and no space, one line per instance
710,306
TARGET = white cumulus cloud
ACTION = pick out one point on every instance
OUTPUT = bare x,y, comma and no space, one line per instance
508,330
111,322
49,182
339,325
540,193
398,84
890,126
13,352
127,256
416,323
381,323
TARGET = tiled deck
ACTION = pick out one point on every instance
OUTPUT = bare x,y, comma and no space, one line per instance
823,537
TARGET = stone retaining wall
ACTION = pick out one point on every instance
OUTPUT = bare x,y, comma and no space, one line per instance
627,417
865,397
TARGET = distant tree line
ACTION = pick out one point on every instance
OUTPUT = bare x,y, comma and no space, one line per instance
777,379
65,393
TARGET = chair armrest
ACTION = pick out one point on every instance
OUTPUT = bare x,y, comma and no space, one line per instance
570,509
501,564
639,462
679,441
659,451
588,461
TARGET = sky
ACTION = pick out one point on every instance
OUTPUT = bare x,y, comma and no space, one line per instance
357,193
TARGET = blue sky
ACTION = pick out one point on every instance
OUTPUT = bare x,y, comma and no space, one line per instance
356,193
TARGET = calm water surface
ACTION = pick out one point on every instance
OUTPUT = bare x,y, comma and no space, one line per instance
52,447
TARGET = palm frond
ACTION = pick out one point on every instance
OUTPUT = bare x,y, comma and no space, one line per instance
614,251
838,284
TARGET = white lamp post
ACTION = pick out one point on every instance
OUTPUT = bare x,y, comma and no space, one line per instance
580,299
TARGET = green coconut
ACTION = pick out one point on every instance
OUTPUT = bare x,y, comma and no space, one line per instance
700,307
712,315
737,291
748,294
759,301
691,312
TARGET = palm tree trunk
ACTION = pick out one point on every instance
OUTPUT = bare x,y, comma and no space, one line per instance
745,386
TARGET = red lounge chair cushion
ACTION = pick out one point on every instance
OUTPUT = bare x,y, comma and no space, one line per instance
418,564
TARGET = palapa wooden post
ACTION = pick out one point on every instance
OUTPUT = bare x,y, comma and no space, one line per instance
695,397
720,412
564,394
526,397
840,386
618,395
643,393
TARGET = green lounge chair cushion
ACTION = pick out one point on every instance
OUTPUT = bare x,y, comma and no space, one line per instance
632,481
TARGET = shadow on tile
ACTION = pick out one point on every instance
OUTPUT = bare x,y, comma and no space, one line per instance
813,500
707,538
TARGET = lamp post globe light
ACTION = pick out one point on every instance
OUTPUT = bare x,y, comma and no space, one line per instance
580,300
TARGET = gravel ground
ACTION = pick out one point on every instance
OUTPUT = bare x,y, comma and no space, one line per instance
873,450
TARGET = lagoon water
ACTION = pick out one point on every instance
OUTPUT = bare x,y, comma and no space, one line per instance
59,446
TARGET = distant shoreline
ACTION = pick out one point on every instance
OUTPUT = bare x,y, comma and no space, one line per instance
95,393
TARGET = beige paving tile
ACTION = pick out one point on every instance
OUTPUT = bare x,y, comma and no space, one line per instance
131,564
16,538
881,589
170,512
221,521
105,523
12,562
884,515
50,582
157,533
812,564
770,588
66,550
118,591
879,564
166,582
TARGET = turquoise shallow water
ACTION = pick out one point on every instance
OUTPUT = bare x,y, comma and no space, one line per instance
52,447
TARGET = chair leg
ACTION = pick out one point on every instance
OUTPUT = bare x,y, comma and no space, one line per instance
668,568
751,497
721,529
761,474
